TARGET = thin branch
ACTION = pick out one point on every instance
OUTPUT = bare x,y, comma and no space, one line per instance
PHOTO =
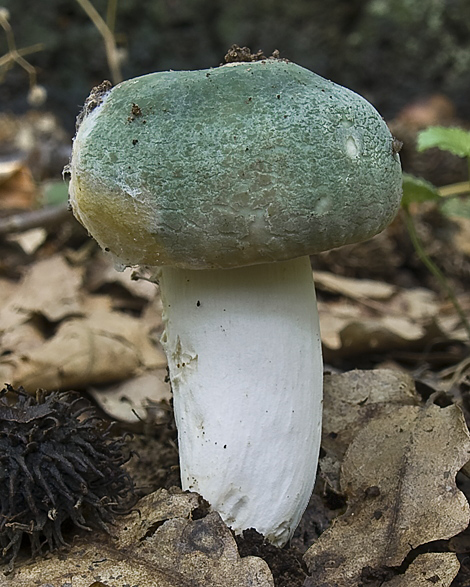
454,189
5,59
51,215
14,55
112,54
111,15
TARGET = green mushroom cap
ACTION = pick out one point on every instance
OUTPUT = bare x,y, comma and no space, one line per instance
242,164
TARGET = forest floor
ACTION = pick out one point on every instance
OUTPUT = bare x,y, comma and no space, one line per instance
390,503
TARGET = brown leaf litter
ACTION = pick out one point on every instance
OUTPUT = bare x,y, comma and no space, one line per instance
399,476
160,543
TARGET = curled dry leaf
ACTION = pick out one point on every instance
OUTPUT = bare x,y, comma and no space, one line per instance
157,544
205,552
399,476
382,318
101,348
150,512
348,330
417,304
51,288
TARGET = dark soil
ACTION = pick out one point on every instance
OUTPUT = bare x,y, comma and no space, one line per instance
285,563
238,54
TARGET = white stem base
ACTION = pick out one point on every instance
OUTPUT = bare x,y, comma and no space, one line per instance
244,354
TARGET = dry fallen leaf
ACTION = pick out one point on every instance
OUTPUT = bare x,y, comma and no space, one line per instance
353,398
101,348
349,330
128,401
382,318
101,272
354,288
21,339
399,476
30,240
417,304
430,569
462,238
350,400
157,544
51,288
17,188
7,289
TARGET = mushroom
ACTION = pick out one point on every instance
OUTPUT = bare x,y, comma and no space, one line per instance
225,180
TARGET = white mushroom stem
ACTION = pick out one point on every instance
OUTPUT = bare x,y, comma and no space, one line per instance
244,354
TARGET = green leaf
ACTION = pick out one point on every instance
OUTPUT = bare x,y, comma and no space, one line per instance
418,190
455,140
459,207
55,192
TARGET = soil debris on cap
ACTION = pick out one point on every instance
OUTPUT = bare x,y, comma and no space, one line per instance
136,111
94,99
238,54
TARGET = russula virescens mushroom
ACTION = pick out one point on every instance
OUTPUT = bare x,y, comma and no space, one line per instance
226,179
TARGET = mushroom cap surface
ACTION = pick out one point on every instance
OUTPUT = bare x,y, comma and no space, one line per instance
242,164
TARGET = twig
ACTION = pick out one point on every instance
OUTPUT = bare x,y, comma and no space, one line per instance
14,55
455,372
112,54
434,269
7,59
34,219
111,14
455,189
